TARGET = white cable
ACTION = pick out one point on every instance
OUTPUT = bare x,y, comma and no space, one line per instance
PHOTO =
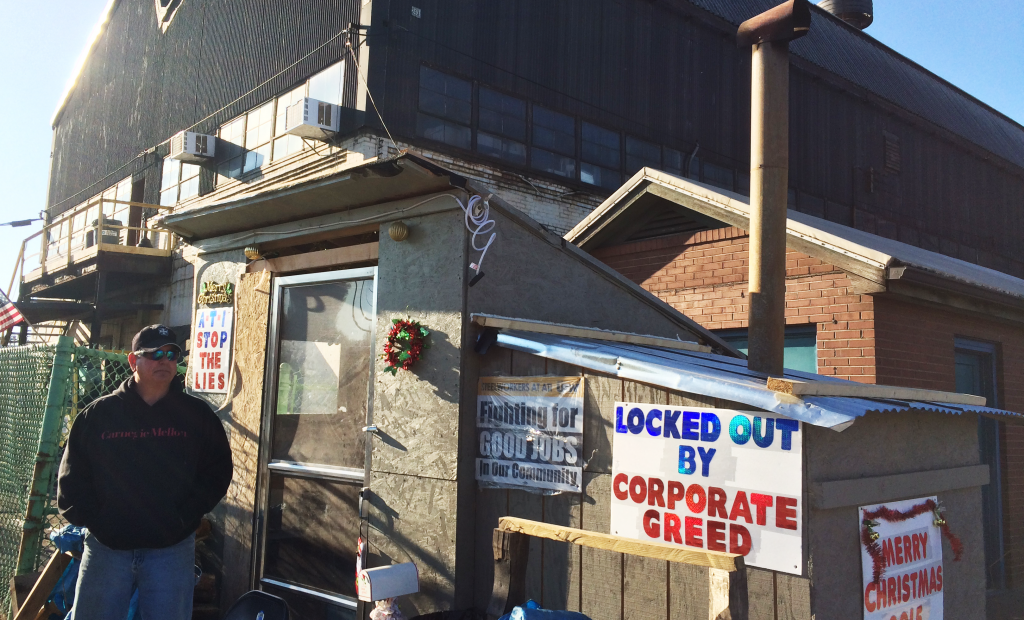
478,223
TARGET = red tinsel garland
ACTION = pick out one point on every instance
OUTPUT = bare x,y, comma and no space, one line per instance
895,516
404,345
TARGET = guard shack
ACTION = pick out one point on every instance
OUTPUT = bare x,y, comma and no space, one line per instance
331,448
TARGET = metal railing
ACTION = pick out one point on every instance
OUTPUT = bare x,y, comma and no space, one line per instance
98,225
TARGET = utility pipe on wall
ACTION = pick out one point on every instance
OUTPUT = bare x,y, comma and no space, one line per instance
769,35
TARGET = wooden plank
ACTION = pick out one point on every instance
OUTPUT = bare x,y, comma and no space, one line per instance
252,304
761,594
574,331
523,503
875,490
792,597
364,252
490,504
36,599
510,551
644,579
601,576
688,591
561,561
320,236
867,390
620,544
600,394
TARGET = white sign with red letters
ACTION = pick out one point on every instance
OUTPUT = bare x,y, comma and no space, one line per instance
211,349
908,553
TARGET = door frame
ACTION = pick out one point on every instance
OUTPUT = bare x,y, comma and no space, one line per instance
326,472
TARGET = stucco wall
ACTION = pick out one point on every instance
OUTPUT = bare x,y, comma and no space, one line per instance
413,515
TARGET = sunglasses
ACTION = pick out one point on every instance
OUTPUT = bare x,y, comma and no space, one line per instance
156,356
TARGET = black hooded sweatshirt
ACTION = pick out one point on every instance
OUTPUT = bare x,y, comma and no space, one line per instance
142,477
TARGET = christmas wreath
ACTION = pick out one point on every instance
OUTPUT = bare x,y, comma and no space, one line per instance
404,345
869,537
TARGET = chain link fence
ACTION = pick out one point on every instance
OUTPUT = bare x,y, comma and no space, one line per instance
24,385
42,389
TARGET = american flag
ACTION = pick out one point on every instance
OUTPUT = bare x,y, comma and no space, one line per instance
9,314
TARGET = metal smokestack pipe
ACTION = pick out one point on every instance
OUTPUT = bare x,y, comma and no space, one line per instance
769,35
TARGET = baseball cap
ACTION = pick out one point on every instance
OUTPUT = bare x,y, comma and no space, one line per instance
152,337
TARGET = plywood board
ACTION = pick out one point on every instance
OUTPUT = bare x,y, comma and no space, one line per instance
792,597
252,305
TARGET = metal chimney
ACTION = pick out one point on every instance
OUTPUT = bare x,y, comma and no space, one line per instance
857,13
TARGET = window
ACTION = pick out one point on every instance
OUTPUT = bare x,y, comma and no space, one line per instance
328,84
640,154
600,157
286,145
502,126
259,129
179,182
801,346
230,148
719,176
976,374
446,108
257,137
554,142
675,162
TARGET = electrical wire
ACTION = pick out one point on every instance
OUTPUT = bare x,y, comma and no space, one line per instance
478,222
359,72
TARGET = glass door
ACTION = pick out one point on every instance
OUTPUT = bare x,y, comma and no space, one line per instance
313,450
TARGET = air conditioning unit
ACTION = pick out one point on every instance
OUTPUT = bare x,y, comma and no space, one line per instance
311,118
192,148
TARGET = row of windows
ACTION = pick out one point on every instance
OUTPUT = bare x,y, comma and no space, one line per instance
530,135
247,142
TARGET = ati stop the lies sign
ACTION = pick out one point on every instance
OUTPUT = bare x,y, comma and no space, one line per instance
714,479
211,350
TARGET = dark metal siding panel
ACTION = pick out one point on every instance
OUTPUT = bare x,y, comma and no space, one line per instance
140,85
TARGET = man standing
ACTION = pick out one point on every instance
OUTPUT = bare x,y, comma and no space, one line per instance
141,468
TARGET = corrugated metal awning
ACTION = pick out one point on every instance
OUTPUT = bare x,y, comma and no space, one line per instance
717,376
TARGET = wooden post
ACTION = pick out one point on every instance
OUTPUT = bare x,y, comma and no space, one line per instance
511,553
769,184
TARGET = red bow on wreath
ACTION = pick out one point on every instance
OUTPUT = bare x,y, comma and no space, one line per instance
869,537
404,345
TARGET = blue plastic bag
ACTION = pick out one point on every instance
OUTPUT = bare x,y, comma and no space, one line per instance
532,611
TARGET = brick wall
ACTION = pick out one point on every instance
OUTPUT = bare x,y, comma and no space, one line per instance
704,275
916,349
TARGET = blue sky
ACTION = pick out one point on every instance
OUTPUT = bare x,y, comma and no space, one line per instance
974,45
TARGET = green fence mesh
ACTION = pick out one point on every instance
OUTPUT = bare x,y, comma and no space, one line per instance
24,381
26,378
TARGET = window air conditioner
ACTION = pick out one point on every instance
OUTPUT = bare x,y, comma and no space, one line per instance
192,148
310,118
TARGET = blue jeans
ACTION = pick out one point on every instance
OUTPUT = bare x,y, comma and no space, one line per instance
165,579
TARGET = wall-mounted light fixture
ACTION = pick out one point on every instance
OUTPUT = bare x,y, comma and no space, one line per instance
398,231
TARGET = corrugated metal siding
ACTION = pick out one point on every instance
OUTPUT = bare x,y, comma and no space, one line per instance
656,71
859,58
140,85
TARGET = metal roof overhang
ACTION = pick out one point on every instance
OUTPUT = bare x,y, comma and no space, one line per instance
718,376
379,182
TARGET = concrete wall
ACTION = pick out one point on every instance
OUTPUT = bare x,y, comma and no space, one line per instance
526,276
881,444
